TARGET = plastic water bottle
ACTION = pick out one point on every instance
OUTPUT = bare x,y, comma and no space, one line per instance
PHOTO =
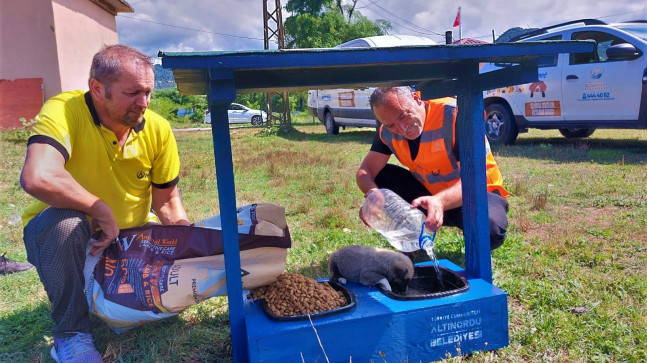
393,218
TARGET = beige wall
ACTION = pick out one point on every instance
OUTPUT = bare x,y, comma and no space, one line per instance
82,28
28,43
53,40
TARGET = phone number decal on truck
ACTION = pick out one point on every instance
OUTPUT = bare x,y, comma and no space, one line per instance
593,96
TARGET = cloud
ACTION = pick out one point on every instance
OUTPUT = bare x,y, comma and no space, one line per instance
480,18
192,25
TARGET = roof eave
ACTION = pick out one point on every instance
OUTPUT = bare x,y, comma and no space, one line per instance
114,6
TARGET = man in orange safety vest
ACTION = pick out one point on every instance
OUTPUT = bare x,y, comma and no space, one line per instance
421,134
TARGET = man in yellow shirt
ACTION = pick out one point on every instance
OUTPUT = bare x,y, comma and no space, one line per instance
421,134
96,161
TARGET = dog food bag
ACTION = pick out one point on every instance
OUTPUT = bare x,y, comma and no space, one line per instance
157,271
260,219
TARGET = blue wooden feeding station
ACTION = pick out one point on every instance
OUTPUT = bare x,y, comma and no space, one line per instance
378,328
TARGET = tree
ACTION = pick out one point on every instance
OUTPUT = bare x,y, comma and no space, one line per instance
312,7
327,23
349,9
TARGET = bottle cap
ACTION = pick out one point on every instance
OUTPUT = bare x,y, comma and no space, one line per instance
424,239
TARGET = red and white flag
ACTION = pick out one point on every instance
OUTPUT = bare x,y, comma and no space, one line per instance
457,21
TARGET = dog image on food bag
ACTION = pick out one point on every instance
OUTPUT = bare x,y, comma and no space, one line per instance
371,266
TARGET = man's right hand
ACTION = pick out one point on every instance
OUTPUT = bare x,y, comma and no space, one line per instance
102,219
44,177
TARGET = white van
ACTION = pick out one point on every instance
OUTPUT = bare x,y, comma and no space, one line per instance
350,107
576,93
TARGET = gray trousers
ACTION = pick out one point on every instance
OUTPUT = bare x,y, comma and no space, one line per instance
56,241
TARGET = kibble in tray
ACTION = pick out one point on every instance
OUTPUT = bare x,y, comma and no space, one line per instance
295,297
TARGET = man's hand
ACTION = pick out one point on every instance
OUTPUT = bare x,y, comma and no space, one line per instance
435,210
45,178
437,204
370,213
103,219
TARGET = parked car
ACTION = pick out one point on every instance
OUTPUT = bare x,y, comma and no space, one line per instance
182,112
350,107
240,114
576,93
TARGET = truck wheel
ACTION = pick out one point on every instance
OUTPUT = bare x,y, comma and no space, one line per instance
500,127
576,133
331,127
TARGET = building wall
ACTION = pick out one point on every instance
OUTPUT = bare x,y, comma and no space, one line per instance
51,42
19,99
82,29
28,43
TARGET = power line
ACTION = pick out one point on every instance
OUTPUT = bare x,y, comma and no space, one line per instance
427,31
185,28
424,30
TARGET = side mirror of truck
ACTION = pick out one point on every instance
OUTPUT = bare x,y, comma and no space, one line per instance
624,51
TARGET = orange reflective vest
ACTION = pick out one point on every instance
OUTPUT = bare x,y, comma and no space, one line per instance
435,165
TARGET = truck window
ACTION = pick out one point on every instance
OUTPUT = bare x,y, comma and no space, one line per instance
603,42
356,43
549,63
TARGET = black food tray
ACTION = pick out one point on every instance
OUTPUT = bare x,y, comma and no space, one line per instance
335,285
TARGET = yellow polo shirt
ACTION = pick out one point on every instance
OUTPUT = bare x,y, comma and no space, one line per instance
120,177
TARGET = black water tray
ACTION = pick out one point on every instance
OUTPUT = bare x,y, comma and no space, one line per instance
426,285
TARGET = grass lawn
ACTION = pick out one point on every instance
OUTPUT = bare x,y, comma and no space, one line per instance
574,264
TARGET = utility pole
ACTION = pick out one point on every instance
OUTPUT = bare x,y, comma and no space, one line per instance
273,28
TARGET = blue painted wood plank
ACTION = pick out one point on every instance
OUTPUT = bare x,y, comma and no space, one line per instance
220,99
301,69
356,57
471,139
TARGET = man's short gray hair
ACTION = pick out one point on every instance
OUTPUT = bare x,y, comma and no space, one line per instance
379,95
106,64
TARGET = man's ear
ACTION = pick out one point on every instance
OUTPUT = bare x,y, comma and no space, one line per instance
97,89
417,97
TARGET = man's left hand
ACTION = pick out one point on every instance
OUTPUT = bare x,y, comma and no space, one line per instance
435,210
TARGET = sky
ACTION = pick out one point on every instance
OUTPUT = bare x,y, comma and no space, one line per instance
212,25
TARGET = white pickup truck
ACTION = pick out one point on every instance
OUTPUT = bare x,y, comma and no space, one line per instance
576,93
350,107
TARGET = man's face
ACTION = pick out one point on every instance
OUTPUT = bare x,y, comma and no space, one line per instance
126,99
402,114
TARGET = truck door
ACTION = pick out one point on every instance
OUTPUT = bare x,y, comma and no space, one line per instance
538,101
596,88
363,114
541,100
312,103
235,113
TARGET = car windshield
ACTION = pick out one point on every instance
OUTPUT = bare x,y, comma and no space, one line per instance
637,29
